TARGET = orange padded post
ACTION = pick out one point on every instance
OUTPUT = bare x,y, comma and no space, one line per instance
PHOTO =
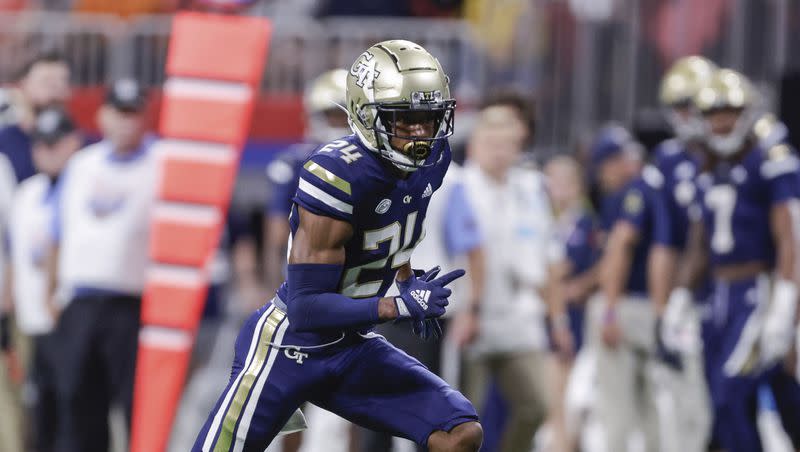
204,119
198,178
163,362
184,235
214,66
174,298
209,47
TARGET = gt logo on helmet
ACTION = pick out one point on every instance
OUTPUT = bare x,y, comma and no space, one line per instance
364,70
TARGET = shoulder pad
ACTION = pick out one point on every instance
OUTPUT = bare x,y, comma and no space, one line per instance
279,171
779,152
669,147
652,176
779,159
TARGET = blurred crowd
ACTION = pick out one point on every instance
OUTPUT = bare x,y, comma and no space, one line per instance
618,298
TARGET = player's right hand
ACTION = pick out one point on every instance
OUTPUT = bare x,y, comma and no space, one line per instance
675,320
426,297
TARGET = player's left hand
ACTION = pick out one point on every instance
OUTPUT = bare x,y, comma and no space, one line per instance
426,297
429,328
611,333
779,325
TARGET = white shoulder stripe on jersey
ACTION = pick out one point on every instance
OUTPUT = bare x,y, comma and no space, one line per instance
774,168
325,198
212,431
255,395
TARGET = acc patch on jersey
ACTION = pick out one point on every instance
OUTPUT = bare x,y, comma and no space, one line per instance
633,202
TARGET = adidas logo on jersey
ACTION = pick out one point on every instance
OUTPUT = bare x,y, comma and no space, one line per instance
428,191
421,297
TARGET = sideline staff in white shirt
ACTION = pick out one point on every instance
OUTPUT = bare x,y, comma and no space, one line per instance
55,139
101,229
514,214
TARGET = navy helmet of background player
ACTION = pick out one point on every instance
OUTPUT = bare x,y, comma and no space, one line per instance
326,120
357,215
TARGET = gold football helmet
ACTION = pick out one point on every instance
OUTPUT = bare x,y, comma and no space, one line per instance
680,84
399,80
325,96
728,89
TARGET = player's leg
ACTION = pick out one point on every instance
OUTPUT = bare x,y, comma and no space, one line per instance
264,390
384,389
615,402
521,380
786,392
734,394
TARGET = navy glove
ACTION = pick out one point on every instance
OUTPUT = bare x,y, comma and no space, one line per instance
428,328
426,297
425,329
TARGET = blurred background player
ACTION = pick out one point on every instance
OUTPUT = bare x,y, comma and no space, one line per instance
326,121
622,317
43,82
105,196
744,232
511,206
55,139
577,229
677,160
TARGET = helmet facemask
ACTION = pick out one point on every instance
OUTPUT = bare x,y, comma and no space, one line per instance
726,145
392,119
685,121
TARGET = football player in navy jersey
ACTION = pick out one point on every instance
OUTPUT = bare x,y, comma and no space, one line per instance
679,332
622,317
744,233
325,122
357,216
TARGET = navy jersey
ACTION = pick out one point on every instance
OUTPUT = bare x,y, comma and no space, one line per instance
640,204
345,181
283,174
578,233
679,169
736,199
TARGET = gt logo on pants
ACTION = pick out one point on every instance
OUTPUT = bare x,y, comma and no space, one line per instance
295,354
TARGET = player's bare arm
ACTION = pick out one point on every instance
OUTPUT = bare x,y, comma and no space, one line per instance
661,275
276,232
614,271
785,240
321,240
693,261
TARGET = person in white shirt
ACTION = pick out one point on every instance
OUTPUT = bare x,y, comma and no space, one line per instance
97,269
11,372
55,139
515,218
